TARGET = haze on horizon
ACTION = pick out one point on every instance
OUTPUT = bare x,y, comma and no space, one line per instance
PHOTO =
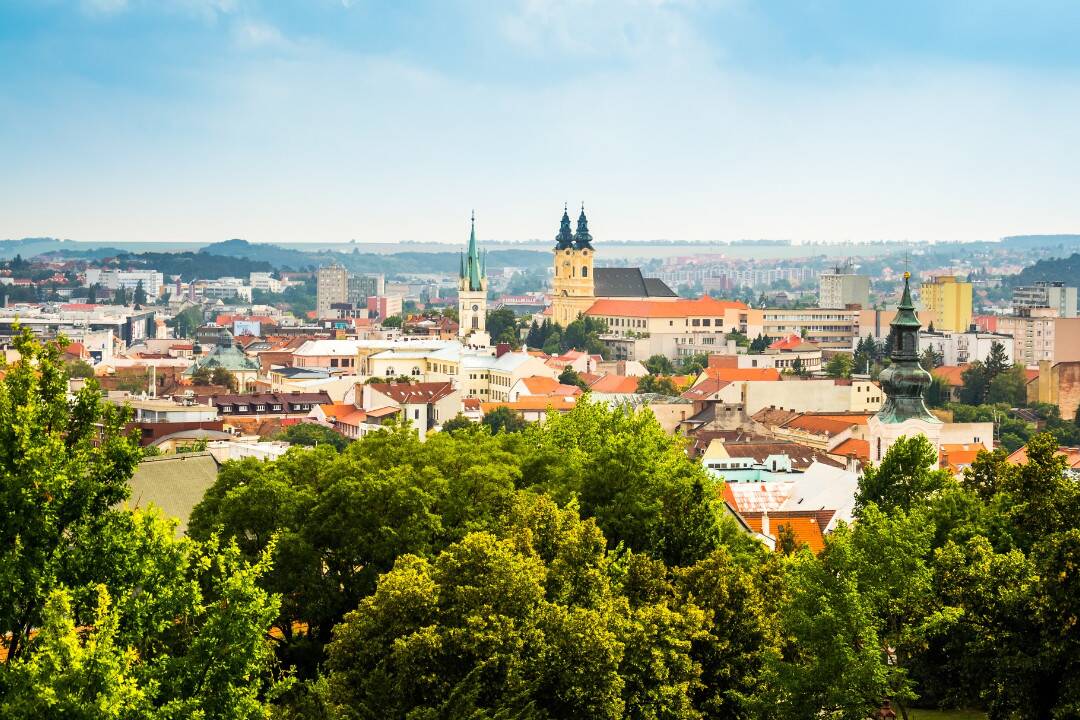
331,120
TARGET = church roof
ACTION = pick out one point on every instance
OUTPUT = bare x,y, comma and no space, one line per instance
628,282
472,266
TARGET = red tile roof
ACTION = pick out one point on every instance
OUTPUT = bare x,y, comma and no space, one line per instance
1072,456
703,306
412,393
951,374
705,389
853,446
615,384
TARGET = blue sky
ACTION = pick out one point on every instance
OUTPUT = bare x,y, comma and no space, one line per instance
331,120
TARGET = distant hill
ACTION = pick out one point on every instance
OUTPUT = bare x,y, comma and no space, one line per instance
1050,270
1066,242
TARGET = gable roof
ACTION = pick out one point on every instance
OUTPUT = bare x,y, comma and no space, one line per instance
951,374
705,389
174,483
627,282
1072,456
413,393
853,446
801,456
614,384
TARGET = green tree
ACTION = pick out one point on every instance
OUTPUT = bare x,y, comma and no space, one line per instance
930,359
79,369
394,321
759,344
120,296
308,434
570,376
659,365
1008,386
976,382
798,368
840,365
502,326
657,384
201,375
221,376
458,423
503,419
937,392
907,474
139,297
997,361
187,321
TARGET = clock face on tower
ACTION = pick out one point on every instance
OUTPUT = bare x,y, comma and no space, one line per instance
475,308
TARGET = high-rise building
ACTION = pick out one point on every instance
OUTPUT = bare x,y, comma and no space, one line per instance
472,294
1055,296
1038,336
332,286
839,289
951,299
361,287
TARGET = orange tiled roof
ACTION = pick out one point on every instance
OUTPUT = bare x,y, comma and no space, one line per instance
353,419
806,529
951,374
787,343
819,425
705,389
957,455
540,384
533,403
615,384
703,306
736,374
1072,456
853,418
853,446
337,410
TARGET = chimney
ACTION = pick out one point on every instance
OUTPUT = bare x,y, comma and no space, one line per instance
501,349
765,523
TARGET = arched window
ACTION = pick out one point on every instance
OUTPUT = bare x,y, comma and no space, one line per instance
390,372
416,370
585,271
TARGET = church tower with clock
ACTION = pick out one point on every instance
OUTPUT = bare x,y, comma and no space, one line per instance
574,283
472,295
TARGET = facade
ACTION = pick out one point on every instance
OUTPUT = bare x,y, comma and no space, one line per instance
837,290
950,298
361,287
151,280
1038,336
265,282
826,328
426,406
1055,296
472,295
962,348
577,285
1058,384
332,286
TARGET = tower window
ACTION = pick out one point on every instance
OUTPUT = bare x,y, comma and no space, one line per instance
585,272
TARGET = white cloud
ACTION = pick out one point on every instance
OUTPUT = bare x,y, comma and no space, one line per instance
251,34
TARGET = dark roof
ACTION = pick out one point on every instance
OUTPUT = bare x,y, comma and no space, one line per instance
627,282
414,393
317,398
174,483
801,456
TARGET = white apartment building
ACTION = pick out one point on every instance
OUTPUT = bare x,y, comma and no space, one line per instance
838,290
1055,296
961,348
265,281
151,280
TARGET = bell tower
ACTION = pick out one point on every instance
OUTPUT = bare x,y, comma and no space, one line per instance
573,284
472,294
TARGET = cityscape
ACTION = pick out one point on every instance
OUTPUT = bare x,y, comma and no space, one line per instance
529,457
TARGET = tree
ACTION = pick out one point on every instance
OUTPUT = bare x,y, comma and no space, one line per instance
798,368
201,376
906,475
997,361
79,369
840,366
503,419
1009,387
693,364
120,296
659,365
976,382
221,376
657,384
937,392
458,423
931,359
394,321
139,297
187,321
570,376
502,326
759,344
308,434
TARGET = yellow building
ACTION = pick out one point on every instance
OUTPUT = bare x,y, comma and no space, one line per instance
950,299
577,285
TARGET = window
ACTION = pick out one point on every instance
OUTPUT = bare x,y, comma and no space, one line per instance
585,272
416,414
706,322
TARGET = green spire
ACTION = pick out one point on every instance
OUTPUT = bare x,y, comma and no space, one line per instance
905,381
582,238
565,238
472,268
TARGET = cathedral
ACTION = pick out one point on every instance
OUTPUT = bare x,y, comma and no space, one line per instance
577,284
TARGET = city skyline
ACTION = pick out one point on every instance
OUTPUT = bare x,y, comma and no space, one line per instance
201,120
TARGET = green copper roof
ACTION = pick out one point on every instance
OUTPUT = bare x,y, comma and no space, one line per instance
473,269
905,381
582,238
565,238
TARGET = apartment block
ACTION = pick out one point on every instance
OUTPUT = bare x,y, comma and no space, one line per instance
838,290
1040,336
950,298
1054,296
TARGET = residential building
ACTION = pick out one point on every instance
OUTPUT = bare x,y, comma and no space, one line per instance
151,280
361,287
264,404
1054,296
380,307
264,281
332,286
950,298
1038,336
826,328
962,348
839,289
426,406
1058,383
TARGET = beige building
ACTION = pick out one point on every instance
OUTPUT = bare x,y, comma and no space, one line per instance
1057,384
1040,336
838,290
826,328
332,286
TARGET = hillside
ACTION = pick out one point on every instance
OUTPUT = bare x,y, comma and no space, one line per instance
1050,270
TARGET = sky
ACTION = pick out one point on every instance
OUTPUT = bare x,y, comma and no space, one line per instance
390,120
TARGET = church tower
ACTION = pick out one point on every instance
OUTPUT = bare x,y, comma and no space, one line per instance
472,294
573,284
904,382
